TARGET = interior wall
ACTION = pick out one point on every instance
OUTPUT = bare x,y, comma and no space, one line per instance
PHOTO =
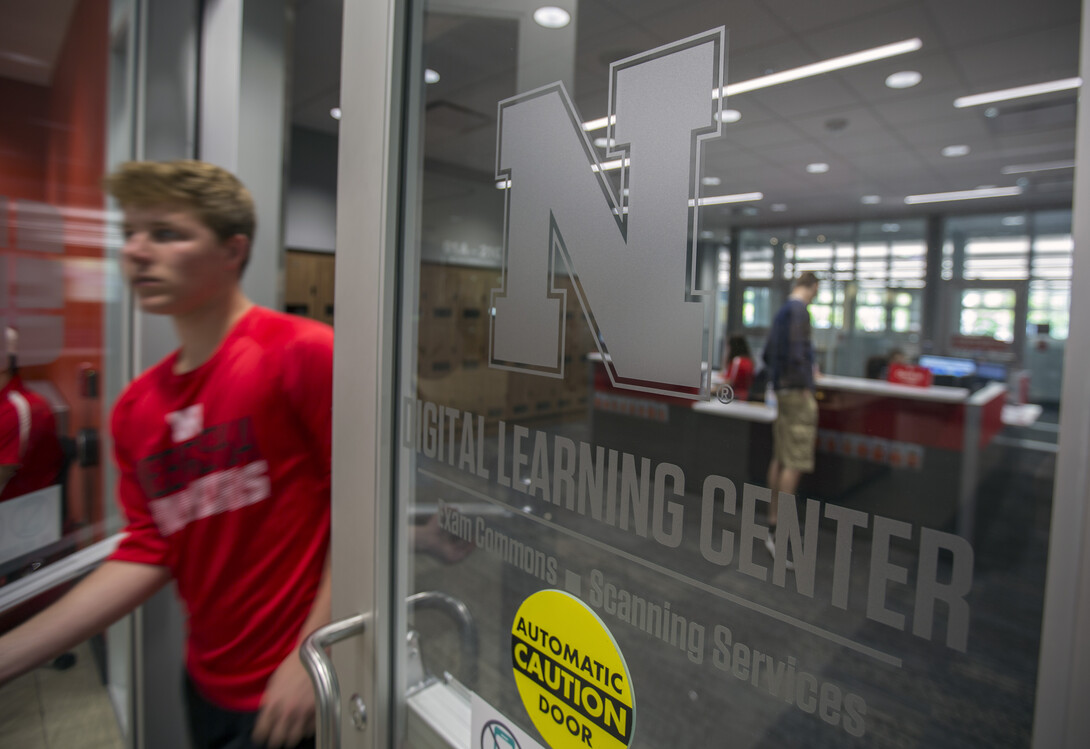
310,211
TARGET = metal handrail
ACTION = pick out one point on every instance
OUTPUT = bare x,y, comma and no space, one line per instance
327,690
58,573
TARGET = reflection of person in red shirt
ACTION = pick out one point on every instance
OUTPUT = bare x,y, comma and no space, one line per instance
30,453
738,367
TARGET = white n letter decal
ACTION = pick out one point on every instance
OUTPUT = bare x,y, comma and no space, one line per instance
632,263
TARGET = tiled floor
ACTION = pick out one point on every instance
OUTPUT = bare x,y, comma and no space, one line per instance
50,709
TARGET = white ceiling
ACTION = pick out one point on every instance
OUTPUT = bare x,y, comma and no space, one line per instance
888,144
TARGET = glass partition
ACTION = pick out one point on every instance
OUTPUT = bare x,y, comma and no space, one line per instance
59,291
65,83
594,562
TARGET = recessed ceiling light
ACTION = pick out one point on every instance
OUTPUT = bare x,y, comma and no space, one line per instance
904,79
980,192
818,167
707,234
335,113
952,152
503,184
871,199
1044,166
749,211
1014,220
430,76
774,241
728,116
777,208
711,181
605,142
890,228
552,17
1019,92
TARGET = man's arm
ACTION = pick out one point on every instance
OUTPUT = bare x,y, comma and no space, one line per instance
100,599
287,715
801,348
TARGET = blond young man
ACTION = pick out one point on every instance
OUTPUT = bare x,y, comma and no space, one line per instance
223,450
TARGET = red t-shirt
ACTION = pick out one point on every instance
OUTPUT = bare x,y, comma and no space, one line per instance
225,476
739,375
28,440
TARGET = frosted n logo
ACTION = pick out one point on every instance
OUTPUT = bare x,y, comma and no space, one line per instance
632,260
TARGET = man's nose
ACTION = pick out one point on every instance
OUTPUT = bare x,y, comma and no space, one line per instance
135,247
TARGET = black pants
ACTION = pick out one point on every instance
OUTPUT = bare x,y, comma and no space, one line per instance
212,727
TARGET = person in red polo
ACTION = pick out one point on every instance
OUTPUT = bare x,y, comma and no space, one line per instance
30,453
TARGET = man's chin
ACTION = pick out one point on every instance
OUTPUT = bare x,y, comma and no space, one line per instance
156,305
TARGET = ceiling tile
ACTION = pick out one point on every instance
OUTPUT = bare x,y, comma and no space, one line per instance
965,22
803,17
1020,59
748,24
823,94
874,29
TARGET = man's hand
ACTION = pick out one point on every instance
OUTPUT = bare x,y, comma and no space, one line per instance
286,716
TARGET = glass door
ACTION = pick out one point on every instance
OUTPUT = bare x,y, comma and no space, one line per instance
559,536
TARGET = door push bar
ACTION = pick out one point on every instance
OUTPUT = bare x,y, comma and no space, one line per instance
326,688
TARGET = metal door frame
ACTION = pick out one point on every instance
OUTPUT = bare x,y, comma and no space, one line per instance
366,533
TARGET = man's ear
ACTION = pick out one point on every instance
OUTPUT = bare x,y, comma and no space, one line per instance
238,247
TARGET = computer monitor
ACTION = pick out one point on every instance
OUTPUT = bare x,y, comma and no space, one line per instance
987,370
948,366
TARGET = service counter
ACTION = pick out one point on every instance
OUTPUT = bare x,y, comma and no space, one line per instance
910,453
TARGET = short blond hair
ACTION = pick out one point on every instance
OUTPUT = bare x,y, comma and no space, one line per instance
218,197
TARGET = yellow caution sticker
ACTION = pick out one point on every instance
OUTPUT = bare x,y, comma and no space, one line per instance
570,674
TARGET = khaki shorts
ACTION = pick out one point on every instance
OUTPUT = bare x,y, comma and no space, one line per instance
795,430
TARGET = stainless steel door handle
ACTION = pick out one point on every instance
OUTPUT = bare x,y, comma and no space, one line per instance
467,627
326,688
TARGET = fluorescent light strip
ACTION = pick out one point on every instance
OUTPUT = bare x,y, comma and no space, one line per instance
1017,93
742,197
794,74
1044,166
610,165
825,66
942,197
599,123
606,166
